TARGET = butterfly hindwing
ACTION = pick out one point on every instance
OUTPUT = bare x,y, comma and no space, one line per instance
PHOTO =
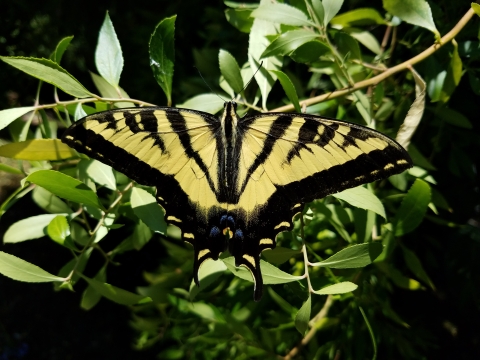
234,182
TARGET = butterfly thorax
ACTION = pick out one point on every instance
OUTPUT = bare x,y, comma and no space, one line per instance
229,135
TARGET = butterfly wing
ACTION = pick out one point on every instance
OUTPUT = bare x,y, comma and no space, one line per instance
287,160
172,149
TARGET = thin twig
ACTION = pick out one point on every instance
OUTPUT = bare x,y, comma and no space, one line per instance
389,72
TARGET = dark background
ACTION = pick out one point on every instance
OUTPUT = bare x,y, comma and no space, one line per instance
36,323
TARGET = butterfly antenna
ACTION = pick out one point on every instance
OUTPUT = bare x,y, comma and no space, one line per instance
253,76
199,73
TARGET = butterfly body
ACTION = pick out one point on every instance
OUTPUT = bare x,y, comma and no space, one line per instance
235,183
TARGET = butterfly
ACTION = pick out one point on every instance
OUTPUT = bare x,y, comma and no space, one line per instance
235,183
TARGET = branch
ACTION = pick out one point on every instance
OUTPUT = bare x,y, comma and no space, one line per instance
389,72
319,317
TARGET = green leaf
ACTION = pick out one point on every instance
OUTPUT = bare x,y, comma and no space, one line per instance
354,256
99,172
230,70
271,274
208,273
279,255
363,199
65,186
116,294
359,17
60,49
10,169
146,208
288,42
90,296
21,270
9,115
108,54
331,8
38,149
109,91
28,228
303,316
289,89
281,14
416,267
162,54
340,288
141,235
59,231
309,52
415,113
413,208
50,72
240,5
454,74
240,18
415,12
49,202
366,39
210,103
319,11
398,278
347,46
258,42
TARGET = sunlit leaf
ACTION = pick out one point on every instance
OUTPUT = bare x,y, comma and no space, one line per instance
21,270
362,198
108,54
162,54
50,72
340,288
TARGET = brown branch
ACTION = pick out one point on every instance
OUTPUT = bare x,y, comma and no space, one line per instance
389,72
319,317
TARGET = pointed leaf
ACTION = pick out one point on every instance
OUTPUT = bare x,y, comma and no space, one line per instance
147,209
109,91
60,49
413,208
359,17
29,228
279,255
340,288
230,70
210,103
90,296
271,274
9,115
50,72
303,316
65,186
38,149
21,270
416,267
162,54
288,42
99,172
208,273
240,18
354,256
363,199
415,12
257,45
116,294
108,54
49,202
288,88
281,14
331,8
